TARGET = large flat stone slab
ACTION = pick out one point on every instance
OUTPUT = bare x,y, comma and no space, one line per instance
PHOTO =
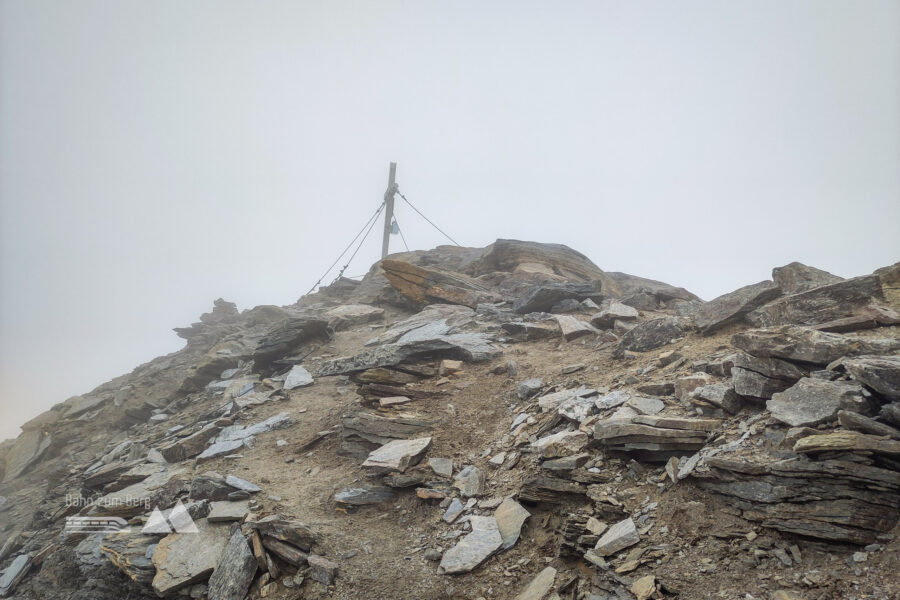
731,307
474,548
811,402
182,559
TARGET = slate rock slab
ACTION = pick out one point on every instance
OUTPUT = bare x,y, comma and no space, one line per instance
811,402
474,548
796,277
881,373
731,307
618,537
297,377
182,559
233,575
510,517
397,455
761,377
808,345
649,335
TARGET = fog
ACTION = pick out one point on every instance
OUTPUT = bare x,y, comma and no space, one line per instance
157,155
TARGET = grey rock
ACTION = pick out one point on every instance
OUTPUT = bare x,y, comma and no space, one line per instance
432,555
220,449
454,510
209,486
234,573
856,303
364,496
568,305
573,328
649,335
397,455
322,570
349,315
645,405
238,495
796,277
441,466
474,548
733,306
14,574
881,373
811,402
298,376
808,345
539,586
510,517
721,395
469,481
27,450
618,537
182,559
857,422
225,512
761,377
566,463
616,311
529,388
542,298
563,443
242,484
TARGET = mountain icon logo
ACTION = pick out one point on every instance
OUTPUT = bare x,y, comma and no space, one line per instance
176,520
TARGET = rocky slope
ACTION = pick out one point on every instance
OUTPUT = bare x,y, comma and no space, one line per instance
504,422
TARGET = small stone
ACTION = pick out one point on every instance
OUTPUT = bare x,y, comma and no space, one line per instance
322,570
297,377
618,537
397,455
539,586
644,587
568,369
432,555
441,466
595,526
859,557
529,388
470,481
242,484
454,510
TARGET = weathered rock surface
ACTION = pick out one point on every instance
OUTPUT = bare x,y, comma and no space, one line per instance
616,311
14,574
128,550
182,559
618,537
542,298
761,377
469,481
796,277
856,303
650,335
234,573
573,328
297,377
808,345
810,402
397,455
881,373
366,431
28,449
424,286
733,306
474,548
539,586
510,516
349,315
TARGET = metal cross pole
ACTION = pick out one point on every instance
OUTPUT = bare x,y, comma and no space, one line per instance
389,209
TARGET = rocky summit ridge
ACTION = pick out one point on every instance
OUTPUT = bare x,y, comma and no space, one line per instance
500,422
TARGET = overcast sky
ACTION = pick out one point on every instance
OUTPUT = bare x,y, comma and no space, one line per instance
157,155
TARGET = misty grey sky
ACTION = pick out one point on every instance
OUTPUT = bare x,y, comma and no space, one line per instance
157,155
